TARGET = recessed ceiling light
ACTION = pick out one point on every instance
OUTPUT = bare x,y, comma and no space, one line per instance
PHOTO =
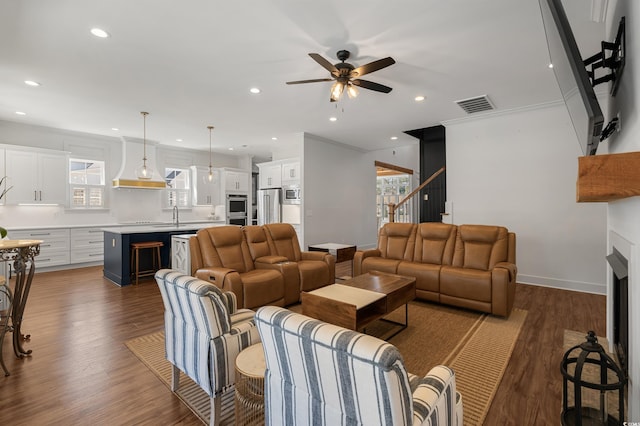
254,90
115,129
333,118
393,138
21,113
99,32
274,138
419,98
230,149
31,83
550,65
178,140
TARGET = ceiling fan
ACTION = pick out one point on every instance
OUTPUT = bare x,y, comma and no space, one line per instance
346,76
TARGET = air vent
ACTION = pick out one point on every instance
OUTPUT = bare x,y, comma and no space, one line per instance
477,104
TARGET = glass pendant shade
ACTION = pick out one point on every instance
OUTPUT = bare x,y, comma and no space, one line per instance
336,90
352,91
142,171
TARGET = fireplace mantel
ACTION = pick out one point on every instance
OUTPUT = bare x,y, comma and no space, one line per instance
608,177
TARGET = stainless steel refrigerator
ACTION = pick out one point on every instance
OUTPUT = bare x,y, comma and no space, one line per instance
269,205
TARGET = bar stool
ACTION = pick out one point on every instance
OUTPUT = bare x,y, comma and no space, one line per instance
135,258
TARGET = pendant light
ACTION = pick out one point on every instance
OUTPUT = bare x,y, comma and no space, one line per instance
143,172
210,167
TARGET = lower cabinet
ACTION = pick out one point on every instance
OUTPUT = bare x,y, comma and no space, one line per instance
54,249
87,245
180,255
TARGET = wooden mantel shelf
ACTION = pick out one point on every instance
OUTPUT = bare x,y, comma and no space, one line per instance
608,177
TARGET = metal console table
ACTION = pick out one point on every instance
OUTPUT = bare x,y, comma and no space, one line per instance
22,254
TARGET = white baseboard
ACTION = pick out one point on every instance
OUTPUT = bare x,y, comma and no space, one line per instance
595,288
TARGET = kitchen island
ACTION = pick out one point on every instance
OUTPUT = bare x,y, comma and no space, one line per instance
117,246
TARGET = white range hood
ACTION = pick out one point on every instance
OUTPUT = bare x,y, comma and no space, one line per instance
132,154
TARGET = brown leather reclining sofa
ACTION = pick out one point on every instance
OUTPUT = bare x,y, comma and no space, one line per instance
262,265
470,266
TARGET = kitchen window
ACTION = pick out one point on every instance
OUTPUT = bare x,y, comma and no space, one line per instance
178,184
86,184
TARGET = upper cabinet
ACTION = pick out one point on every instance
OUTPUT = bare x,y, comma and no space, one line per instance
291,171
36,177
270,175
235,180
205,192
274,174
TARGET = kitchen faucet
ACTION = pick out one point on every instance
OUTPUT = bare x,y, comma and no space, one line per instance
176,221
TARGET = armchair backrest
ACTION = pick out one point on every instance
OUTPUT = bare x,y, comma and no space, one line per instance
481,246
257,241
396,240
283,241
195,312
318,371
221,246
435,243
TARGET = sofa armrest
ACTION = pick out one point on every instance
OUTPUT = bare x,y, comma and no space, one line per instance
225,279
511,267
436,395
360,256
270,260
315,255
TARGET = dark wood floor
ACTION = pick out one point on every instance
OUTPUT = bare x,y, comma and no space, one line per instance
81,373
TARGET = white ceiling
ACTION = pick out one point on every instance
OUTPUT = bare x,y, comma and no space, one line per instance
191,64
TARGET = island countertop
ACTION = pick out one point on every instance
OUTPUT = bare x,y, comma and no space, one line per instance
160,227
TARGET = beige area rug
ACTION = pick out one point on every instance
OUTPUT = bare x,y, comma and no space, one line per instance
476,346
591,373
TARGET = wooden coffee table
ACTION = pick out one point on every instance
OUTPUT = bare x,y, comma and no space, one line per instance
361,300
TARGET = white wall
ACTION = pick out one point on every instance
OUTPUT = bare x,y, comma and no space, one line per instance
519,170
624,215
124,205
339,187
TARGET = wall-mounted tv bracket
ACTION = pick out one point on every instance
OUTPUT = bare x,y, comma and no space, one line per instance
615,62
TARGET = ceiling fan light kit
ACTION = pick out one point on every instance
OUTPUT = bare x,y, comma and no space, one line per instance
345,75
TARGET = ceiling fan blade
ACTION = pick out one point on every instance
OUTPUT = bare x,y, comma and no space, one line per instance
317,80
326,64
366,84
372,66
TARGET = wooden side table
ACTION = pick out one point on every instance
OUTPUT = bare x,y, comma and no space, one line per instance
342,252
250,368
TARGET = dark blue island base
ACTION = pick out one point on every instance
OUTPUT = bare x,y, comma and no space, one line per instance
117,250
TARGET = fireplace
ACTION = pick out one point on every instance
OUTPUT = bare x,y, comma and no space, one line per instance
620,280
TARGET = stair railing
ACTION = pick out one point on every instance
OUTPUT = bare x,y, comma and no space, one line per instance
393,207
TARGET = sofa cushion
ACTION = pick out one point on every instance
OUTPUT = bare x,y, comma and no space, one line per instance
224,246
313,274
396,240
466,283
427,276
480,246
263,287
435,243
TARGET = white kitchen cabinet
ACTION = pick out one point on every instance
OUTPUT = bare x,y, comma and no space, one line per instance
270,175
205,192
54,249
36,177
180,253
87,245
235,180
291,172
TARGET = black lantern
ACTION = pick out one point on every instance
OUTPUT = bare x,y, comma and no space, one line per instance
593,374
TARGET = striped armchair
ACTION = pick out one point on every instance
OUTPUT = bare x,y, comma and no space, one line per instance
321,374
204,332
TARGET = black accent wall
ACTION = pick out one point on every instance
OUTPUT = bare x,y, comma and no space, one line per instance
432,158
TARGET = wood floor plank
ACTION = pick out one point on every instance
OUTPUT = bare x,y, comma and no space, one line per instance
82,373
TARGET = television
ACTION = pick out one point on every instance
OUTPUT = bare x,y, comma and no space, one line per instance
572,77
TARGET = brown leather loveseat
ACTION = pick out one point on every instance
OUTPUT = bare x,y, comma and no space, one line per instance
258,268
470,266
